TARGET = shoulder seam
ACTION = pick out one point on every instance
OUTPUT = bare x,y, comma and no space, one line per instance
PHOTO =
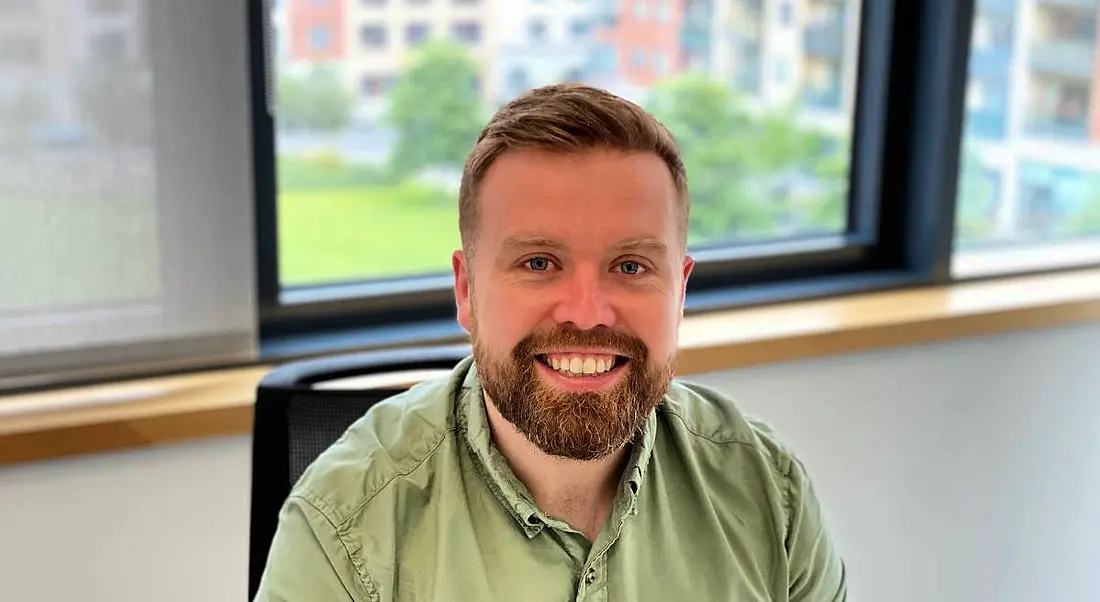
400,473
364,577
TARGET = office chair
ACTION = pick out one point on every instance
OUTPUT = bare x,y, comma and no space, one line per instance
298,414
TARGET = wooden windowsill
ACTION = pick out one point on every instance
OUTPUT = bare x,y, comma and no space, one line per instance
83,420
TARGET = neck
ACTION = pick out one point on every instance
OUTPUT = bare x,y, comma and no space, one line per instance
579,492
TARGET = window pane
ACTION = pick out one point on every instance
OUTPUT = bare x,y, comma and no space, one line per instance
1029,183
124,188
375,116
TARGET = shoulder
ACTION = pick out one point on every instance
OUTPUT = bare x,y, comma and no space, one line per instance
712,421
395,438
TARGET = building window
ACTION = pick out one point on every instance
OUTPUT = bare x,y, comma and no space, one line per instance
106,7
373,36
536,30
417,33
370,3
517,80
786,14
637,58
467,32
664,14
640,9
18,7
320,36
660,63
107,46
579,29
19,50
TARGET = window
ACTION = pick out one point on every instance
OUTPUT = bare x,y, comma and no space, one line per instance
320,36
663,11
786,14
467,32
1048,212
852,149
373,36
106,7
18,8
579,29
107,46
536,30
131,262
417,33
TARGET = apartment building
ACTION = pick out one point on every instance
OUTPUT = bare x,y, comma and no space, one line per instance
640,41
382,33
317,30
1033,111
543,42
44,46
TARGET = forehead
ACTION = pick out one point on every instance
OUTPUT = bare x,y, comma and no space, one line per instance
585,200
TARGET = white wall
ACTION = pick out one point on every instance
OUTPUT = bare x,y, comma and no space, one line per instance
962,472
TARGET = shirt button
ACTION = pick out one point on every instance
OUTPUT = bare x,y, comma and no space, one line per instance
590,577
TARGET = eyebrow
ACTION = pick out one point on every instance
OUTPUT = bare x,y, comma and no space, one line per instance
643,243
635,244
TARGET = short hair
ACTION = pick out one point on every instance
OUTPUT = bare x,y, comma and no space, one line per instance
567,118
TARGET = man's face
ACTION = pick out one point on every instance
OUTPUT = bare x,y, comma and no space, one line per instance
574,296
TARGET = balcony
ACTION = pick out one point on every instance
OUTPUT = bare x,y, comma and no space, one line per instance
746,78
695,35
986,125
1064,58
823,98
991,62
985,6
1090,4
606,12
1045,126
825,40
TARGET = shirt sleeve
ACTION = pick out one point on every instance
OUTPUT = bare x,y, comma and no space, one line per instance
817,571
308,562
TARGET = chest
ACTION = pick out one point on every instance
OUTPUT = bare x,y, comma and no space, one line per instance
645,562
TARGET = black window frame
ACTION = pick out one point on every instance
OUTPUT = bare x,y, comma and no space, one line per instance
906,142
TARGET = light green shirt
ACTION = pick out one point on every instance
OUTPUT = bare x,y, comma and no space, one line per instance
416,503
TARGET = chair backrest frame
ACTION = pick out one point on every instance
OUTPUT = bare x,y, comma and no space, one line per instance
271,464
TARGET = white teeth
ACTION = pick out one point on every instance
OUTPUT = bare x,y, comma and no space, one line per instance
578,365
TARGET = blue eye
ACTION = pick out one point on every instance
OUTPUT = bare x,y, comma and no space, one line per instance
538,264
631,268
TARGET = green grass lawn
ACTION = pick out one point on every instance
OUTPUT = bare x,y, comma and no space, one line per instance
82,252
365,232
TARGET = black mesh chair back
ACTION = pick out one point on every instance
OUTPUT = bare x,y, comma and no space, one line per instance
296,417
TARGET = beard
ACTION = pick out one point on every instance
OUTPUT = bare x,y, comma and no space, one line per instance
585,425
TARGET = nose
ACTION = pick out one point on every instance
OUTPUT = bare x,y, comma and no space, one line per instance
584,302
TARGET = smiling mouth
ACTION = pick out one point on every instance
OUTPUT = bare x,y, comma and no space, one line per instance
582,366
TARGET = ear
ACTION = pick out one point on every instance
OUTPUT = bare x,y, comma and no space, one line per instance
461,268
689,264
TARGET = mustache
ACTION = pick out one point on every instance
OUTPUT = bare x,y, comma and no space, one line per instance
567,335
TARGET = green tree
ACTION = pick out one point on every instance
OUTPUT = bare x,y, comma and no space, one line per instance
1086,221
974,217
316,100
746,170
435,109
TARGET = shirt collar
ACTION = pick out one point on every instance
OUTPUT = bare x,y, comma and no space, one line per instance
473,423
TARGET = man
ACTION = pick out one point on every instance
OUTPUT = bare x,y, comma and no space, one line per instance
561,461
